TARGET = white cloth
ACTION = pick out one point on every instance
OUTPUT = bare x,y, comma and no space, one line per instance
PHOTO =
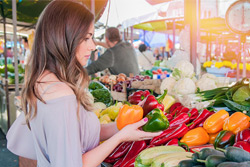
145,63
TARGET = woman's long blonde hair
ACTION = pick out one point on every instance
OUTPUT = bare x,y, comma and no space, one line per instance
61,27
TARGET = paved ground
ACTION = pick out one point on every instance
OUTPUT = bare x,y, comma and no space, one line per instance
7,159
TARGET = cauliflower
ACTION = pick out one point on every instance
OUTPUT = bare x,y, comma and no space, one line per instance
167,83
206,84
185,86
207,75
185,68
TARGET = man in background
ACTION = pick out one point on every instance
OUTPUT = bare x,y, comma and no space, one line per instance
120,57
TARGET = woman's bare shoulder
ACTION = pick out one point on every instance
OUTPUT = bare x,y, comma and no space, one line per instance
50,87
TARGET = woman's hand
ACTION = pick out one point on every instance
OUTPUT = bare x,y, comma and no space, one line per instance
132,133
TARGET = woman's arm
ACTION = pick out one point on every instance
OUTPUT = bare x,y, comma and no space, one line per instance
129,133
108,130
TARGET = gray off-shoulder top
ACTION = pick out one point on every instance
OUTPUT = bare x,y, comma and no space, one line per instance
59,136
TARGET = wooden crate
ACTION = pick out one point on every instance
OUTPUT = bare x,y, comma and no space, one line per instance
119,96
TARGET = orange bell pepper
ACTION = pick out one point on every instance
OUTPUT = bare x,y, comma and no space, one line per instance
212,137
214,123
237,122
195,137
128,115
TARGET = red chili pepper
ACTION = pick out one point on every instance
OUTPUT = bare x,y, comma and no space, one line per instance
194,114
164,133
138,96
200,124
176,142
174,106
151,103
177,110
134,150
243,144
118,163
169,117
178,132
182,118
202,116
243,136
183,110
120,150
110,160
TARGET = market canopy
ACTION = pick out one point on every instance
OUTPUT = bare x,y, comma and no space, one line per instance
28,11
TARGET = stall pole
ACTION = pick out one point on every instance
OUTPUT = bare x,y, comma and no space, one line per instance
92,6
238,61
173,35
15,47
131,34
6,70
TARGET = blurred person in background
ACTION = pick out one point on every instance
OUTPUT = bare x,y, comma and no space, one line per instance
26,49
157,54
145,58
120,57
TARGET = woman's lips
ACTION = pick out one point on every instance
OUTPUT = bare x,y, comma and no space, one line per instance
87,56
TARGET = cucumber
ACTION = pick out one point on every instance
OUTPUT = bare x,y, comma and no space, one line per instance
186,163
236,154
205,152
146,156
174,161
213,160
157,161
234,164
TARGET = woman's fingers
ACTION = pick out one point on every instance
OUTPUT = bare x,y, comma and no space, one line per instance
141,122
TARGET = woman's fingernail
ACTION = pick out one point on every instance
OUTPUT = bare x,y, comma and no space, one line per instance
145,119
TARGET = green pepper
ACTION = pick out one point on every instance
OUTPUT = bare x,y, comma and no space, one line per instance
96,85
157,121
149,73
224,139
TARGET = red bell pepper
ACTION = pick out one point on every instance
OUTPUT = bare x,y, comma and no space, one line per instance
164,133
182,118
151,103
177,110
243,144
194,114
176,142
118,163
243,136
120,151
138,96
174,106
178,132
201,117
134,150
183,110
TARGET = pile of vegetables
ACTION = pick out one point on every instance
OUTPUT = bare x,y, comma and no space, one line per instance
11,73
100,93
236,98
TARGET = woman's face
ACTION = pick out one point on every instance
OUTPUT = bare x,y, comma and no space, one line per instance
86,46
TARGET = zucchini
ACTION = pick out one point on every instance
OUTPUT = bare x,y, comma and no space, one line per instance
140,165
157,162
213,160
236,154
186,163
146,156
234,164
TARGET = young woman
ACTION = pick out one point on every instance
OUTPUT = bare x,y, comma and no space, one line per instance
55,100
